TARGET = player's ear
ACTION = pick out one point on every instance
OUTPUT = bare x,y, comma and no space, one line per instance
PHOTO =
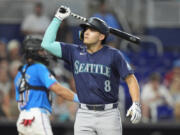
101,37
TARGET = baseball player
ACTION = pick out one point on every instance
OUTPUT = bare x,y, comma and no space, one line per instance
33,84
97,69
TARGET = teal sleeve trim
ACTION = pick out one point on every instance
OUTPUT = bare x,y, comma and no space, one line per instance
76,98
49,38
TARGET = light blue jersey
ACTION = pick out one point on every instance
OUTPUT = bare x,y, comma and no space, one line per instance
36,75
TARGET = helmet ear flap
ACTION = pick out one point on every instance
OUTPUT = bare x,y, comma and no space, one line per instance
81,34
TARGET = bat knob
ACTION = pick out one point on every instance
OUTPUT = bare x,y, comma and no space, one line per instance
62,10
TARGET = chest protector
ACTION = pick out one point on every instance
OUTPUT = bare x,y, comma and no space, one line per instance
25,86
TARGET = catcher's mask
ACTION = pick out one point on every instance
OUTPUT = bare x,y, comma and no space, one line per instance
96,24
32,48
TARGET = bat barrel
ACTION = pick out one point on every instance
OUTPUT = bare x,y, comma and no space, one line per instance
124,35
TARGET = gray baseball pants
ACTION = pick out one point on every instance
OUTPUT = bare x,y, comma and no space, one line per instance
90,122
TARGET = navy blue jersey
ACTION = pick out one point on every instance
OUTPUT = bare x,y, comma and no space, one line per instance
97,76
36,75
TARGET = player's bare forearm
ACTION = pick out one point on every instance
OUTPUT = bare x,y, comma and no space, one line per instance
63,92
133,87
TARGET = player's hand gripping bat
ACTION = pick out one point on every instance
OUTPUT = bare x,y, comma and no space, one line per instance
117,32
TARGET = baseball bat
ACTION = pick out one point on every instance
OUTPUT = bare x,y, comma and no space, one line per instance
117,32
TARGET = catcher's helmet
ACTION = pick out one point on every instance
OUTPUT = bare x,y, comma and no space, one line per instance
96,24
32,44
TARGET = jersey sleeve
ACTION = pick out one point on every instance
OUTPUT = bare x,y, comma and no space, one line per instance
46,78
68,51
123,67
16,85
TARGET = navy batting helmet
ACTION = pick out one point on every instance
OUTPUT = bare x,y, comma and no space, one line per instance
96,24
32,44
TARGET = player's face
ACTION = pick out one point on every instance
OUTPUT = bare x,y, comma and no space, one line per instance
42,52
92,37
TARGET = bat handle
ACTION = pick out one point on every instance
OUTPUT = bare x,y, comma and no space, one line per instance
78,17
